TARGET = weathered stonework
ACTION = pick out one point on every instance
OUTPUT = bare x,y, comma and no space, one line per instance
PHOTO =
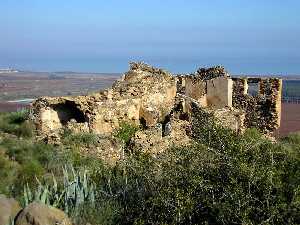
161,104
219,92
143,94
263,110
214,89
211,87
163,136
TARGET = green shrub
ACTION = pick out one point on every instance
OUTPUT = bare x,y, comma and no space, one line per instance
30,171
26,129
23,151
104,212
87,139
293,138
251,184
28,159
222,178
7,127
18,117
8,174
16,123
126,132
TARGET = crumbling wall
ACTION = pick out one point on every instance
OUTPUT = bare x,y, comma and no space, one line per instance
144,93
211,73
196,89
106,116
219,92
263,110
214,88
50,120
155,88
211,87
162,105
52,114
228,117
272,88
161,137
180,83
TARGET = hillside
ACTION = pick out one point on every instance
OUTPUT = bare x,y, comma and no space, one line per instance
222,178
153,149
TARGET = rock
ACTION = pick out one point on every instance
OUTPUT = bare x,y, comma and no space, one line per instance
40,214
9,208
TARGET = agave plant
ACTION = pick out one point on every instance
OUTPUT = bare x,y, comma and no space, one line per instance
75,190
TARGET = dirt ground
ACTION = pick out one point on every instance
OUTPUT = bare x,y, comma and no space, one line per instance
290,119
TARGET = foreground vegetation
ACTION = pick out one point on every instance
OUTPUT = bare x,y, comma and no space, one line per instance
222,178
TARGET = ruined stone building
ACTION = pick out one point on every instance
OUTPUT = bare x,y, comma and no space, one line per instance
150,98
214,89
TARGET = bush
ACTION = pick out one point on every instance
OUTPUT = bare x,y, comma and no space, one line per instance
18,117
102,213
8,174
28,160
16,123
87,139
293,139
126,132
26,130
29,171
222,178
201,185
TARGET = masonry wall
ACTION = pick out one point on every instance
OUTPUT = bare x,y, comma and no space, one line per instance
272,89
147,96
144,95
196,89
50,120
219,92
108,115
263,110
215,93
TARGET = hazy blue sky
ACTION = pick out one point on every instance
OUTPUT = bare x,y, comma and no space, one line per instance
246,36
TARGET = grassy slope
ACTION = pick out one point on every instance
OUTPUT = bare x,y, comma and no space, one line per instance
221,179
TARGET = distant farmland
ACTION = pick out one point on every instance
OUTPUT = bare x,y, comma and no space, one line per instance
23,85
291,91
291,88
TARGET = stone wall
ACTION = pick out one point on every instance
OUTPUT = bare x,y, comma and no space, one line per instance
263,110
215,89
211,87
144,94
196,89
219,92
